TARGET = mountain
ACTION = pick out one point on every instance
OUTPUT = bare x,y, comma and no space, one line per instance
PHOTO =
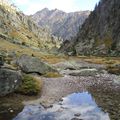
17,28
61,24
100,34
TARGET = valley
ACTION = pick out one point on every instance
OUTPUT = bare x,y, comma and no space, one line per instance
48,75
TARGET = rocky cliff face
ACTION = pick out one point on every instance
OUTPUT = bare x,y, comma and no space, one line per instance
100,34
61,24
20,29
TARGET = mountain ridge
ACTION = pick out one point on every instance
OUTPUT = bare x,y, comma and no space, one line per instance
61,24
18,28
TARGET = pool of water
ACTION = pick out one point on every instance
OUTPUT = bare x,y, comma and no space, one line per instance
81,106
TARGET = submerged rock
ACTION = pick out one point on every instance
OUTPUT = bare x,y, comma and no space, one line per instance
29,64
9,81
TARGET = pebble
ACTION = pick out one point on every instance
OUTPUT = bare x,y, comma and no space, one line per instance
11,111
77,114
76,119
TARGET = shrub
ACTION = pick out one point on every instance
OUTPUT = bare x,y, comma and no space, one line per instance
52,75
30,86
23,43
110,62
113,70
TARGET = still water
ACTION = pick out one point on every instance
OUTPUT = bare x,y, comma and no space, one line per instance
81,106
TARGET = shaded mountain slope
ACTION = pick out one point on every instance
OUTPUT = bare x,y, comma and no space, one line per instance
100,34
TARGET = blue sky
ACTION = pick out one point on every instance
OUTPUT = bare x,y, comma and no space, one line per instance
32,6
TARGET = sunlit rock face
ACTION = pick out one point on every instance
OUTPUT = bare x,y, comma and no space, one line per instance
61,24
19,29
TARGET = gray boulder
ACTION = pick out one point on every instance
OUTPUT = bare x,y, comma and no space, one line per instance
82,72
85,72
9,81
29,64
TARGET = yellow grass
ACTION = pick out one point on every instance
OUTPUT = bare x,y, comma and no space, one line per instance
52,75
101,60
7,46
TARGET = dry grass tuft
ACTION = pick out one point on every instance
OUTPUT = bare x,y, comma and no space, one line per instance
30,86
52,75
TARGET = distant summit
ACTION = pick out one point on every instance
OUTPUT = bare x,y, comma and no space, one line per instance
61,24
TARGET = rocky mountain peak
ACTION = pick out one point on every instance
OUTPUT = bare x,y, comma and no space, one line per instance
44,9
61,24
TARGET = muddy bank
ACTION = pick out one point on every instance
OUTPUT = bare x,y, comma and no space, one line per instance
11,105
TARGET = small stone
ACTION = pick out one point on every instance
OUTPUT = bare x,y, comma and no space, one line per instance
11,111
60,103
61,99
76,119
77,114
48,106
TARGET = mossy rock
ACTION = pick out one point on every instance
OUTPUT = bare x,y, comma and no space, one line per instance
30,86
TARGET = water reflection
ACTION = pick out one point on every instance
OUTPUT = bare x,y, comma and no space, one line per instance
108,99
76,105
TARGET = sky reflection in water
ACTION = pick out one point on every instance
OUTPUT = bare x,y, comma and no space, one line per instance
76,103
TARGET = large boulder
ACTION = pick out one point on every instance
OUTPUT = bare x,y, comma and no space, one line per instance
9,81
29,64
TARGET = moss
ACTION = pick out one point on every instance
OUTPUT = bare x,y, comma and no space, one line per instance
52,75
30,86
